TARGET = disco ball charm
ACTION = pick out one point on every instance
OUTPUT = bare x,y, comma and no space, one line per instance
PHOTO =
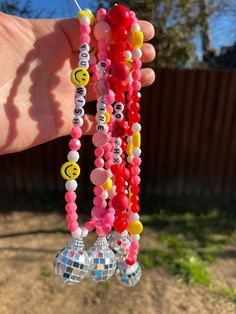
127,275
119,243
71,263
102,261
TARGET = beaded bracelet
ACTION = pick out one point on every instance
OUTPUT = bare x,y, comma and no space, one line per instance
115,66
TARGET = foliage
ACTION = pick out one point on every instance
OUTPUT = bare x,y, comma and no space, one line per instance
16,7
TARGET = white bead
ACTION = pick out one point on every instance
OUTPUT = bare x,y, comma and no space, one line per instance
88,10
84,20
81,91
129,139
118,141
135,238
73,155
100,118
128,55
84,47
117,150
136,127
101,109
135,217
118,116
79,111
84,56
84,232
126,183
83,64
102,100
136,151
100,127
129,159
104,195
119,107
126,191
78,121
117,159
71,185
137,53
135,27
79,101
77,233
102,65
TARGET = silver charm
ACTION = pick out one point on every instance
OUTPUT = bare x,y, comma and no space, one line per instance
120,244
71,263
102,261
127,275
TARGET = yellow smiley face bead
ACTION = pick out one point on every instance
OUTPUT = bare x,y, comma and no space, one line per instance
137,39
79,77
85,13
135,227
70,170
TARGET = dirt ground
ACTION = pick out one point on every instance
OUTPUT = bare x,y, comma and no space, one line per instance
27,286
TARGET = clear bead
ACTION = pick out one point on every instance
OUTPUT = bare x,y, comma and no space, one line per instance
127,275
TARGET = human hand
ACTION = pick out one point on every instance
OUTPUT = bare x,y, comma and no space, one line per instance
36,95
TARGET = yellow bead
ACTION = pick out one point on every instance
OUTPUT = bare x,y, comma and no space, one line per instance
79,77
70,170
129,148
130,194
137,39
135,227
108,117
107,185
87,14
129,62
136,139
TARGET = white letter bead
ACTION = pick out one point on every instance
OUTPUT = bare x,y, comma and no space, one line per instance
135,217
118,141
71,185
73,155
137,53
102,128
136,127
81,91
136,151
117,159
135,27
117,150
118,116
83,64
78,121
84,20
84,56
79,111
79,101
84,47
100,118
119,107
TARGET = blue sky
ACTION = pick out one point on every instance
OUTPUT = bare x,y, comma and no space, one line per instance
223,27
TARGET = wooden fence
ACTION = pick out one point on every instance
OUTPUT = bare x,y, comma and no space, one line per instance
188,141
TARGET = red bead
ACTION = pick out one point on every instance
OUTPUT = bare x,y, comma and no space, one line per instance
130,261
135,208
135,107
120,33
119,129
120,202
119,15
123,146
134,198
120,225
126,174
135,189
120,71
136,117
121,215
115,169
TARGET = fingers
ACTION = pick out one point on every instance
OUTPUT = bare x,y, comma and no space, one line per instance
148,53
148,77
147,29
89,126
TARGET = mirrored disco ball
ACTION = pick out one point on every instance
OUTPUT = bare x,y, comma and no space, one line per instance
71,263
102,261
119,243
127,275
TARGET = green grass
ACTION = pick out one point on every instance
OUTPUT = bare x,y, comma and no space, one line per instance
228,293
46,272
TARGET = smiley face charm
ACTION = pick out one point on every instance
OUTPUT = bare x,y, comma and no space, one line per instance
70,170
79,77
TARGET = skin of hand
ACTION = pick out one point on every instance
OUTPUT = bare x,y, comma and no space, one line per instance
36,95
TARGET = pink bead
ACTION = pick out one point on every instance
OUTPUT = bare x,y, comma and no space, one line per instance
85,38
98,212
110,98
107,228
111,194
92,60
98,190
132,14
101,11
135,245
137,64
109,219
108,147
100,232
97,201
76,132
136,74
109,108
137,161
108,155
90,226
104,203
72,217
102,30
73,226
99,162
71,207
100,139
111,210
136,85
108,164
85,28
103,45
98,176
135,171
74,144
99,151
102,55
70,197
135,180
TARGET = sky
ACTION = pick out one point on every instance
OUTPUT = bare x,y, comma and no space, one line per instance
223,27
